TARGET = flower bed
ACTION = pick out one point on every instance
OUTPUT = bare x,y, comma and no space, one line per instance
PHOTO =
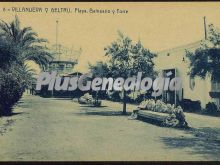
175,117
88,99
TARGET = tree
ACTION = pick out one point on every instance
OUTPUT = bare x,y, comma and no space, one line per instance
127,59
205,61
100,69
8,54
18,45
26,42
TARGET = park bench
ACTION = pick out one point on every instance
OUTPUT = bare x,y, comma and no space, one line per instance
160,113
151,116
158,118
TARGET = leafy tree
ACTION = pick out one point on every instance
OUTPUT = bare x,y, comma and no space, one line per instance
100,69
205,61
127,59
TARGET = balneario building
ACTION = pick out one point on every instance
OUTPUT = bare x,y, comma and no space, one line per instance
64,59
63,64
193,89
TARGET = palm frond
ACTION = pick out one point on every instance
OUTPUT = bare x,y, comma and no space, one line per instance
5,28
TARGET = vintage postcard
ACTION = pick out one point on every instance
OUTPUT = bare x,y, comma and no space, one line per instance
115,81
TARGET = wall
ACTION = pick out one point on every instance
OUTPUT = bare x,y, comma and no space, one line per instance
175,58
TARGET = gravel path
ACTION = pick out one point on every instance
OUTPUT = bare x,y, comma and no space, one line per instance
59,129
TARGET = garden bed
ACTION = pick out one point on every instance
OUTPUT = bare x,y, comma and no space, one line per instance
160,113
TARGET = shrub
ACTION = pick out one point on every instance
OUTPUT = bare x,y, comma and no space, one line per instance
115,96
88,99
211,108
11,90
130,100
140,98
176,116
158,106
190,106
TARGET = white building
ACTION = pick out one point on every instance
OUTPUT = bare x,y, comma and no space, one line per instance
195,89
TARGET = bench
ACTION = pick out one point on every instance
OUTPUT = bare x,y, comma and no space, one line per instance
159,118
151,116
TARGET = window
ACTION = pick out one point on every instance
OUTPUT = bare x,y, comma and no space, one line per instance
191,83
69,66
61,66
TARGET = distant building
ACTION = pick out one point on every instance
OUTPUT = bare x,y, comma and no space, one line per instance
62,67
195,89
63,63
64,59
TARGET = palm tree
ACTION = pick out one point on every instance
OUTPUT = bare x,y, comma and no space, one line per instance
18,45
28,45
7,54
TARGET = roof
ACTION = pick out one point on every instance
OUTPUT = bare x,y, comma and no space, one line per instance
75,73
67,62
182,47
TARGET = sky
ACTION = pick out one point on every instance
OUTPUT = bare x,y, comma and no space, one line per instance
158,25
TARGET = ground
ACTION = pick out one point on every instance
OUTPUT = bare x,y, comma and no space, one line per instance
60,129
